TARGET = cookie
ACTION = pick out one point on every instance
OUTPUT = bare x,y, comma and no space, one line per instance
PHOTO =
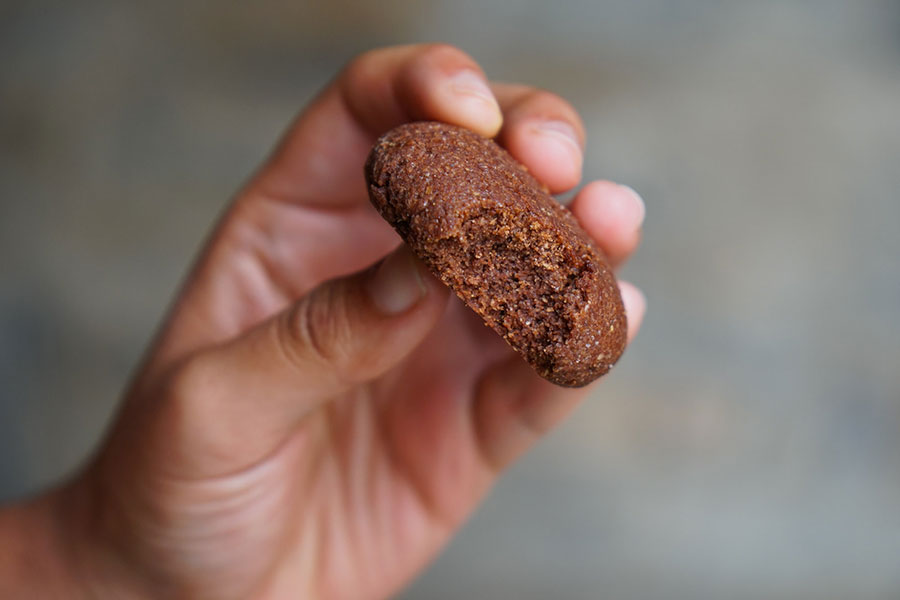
512,253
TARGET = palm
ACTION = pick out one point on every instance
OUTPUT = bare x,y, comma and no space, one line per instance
402,467
397,455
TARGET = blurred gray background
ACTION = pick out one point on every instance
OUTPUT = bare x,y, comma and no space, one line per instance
747,445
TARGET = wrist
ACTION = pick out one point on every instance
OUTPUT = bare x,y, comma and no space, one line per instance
50,548
34,559
96,563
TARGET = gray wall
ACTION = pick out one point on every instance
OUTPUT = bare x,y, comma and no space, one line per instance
746,446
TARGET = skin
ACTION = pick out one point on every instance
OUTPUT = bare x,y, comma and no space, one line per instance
307,425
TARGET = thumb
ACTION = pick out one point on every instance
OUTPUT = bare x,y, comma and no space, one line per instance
239,401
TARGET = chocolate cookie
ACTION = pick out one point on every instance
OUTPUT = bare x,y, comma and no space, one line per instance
513,254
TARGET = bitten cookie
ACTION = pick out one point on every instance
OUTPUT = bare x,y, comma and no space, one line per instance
513,254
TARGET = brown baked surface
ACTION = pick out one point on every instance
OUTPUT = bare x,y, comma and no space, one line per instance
513,254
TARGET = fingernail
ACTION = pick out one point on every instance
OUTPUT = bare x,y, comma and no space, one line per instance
470,88
396,284
639,203
469,83
563,134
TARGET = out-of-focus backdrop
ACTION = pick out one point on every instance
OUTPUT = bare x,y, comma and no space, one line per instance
747,446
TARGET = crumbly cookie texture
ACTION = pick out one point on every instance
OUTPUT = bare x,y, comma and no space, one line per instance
512,253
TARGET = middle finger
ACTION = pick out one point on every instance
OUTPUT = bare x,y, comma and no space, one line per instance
543,132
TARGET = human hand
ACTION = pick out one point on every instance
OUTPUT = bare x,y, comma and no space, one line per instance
307,424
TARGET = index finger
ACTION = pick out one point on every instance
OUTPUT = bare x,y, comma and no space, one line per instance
319,160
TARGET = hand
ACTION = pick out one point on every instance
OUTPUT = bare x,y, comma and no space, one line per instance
308,425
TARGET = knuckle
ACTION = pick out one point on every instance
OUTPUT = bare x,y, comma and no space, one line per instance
363,59
190,379
543,96
316,333
359,67
192,392
513,93
367,67
440,49
551,102
544,104
444,54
